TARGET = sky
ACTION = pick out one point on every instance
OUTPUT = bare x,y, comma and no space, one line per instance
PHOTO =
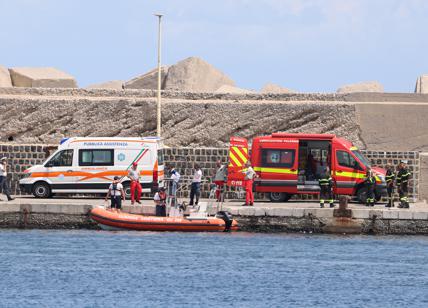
304,45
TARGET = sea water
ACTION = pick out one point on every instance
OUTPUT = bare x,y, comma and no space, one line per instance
146,269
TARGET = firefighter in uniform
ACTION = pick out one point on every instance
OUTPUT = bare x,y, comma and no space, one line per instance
402,184
389,178
326,185
370,184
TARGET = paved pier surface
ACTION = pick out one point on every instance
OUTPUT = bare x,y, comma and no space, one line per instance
263,217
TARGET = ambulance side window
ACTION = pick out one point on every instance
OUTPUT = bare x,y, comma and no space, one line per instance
278,158
61,159
98,157
346,160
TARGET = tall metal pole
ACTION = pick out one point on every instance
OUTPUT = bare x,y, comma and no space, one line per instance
158,126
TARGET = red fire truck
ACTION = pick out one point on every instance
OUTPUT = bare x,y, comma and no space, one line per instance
289,164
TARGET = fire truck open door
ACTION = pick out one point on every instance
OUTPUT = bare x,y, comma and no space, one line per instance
238,156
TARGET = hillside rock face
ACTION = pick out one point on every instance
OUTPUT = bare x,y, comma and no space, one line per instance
368,86
5,80
149,80
195,75
422,84
274,88
113,84
41,77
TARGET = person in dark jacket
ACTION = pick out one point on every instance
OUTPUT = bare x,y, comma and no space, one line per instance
370,185
326,188
403,178
390,178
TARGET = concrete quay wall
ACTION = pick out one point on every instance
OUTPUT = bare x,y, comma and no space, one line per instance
250,219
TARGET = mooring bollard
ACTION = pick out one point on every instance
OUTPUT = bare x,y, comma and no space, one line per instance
343,210
343,203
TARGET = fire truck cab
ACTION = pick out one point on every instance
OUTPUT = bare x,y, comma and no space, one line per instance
289,164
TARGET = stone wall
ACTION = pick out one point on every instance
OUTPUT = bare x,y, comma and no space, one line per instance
371,121
423,180
23,156
184,158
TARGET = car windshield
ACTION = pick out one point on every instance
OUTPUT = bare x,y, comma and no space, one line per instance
361,158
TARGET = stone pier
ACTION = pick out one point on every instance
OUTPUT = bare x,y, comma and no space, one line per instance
30,213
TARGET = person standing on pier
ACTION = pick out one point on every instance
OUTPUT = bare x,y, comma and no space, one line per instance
250,175
389,178
195,189
403,184
326,186
116,194
160,201
134,176
220,178
4,185
370,185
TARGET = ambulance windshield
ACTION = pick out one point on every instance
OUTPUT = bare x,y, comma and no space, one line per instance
361,158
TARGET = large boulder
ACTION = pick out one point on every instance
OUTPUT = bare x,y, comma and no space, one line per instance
5,80
422,84
367,86
148,80
274,88
233,90
195,75
41,77
111,85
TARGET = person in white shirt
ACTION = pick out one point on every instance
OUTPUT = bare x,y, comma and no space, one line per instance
134,176
116,194
160,201
175,178
195,190
4,185
250,174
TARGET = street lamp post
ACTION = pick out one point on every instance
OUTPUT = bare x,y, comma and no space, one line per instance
158,126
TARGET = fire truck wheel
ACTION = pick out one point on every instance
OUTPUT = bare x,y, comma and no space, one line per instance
279,197
362,195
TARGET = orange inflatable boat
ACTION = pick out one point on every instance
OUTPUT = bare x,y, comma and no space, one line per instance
110,220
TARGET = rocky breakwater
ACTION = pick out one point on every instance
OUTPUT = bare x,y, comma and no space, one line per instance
370,120
188,119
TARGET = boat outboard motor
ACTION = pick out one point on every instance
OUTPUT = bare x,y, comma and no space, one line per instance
228,219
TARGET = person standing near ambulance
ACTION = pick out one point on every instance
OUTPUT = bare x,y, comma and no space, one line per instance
220,178
195,189
134,176
250,175
116,194
4,185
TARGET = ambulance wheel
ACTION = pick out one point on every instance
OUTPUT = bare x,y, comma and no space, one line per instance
279,197
127,190
362,195
42,190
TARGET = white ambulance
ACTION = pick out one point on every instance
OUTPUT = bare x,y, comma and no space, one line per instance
88,165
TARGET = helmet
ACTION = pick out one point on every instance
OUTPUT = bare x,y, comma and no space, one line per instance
134,164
